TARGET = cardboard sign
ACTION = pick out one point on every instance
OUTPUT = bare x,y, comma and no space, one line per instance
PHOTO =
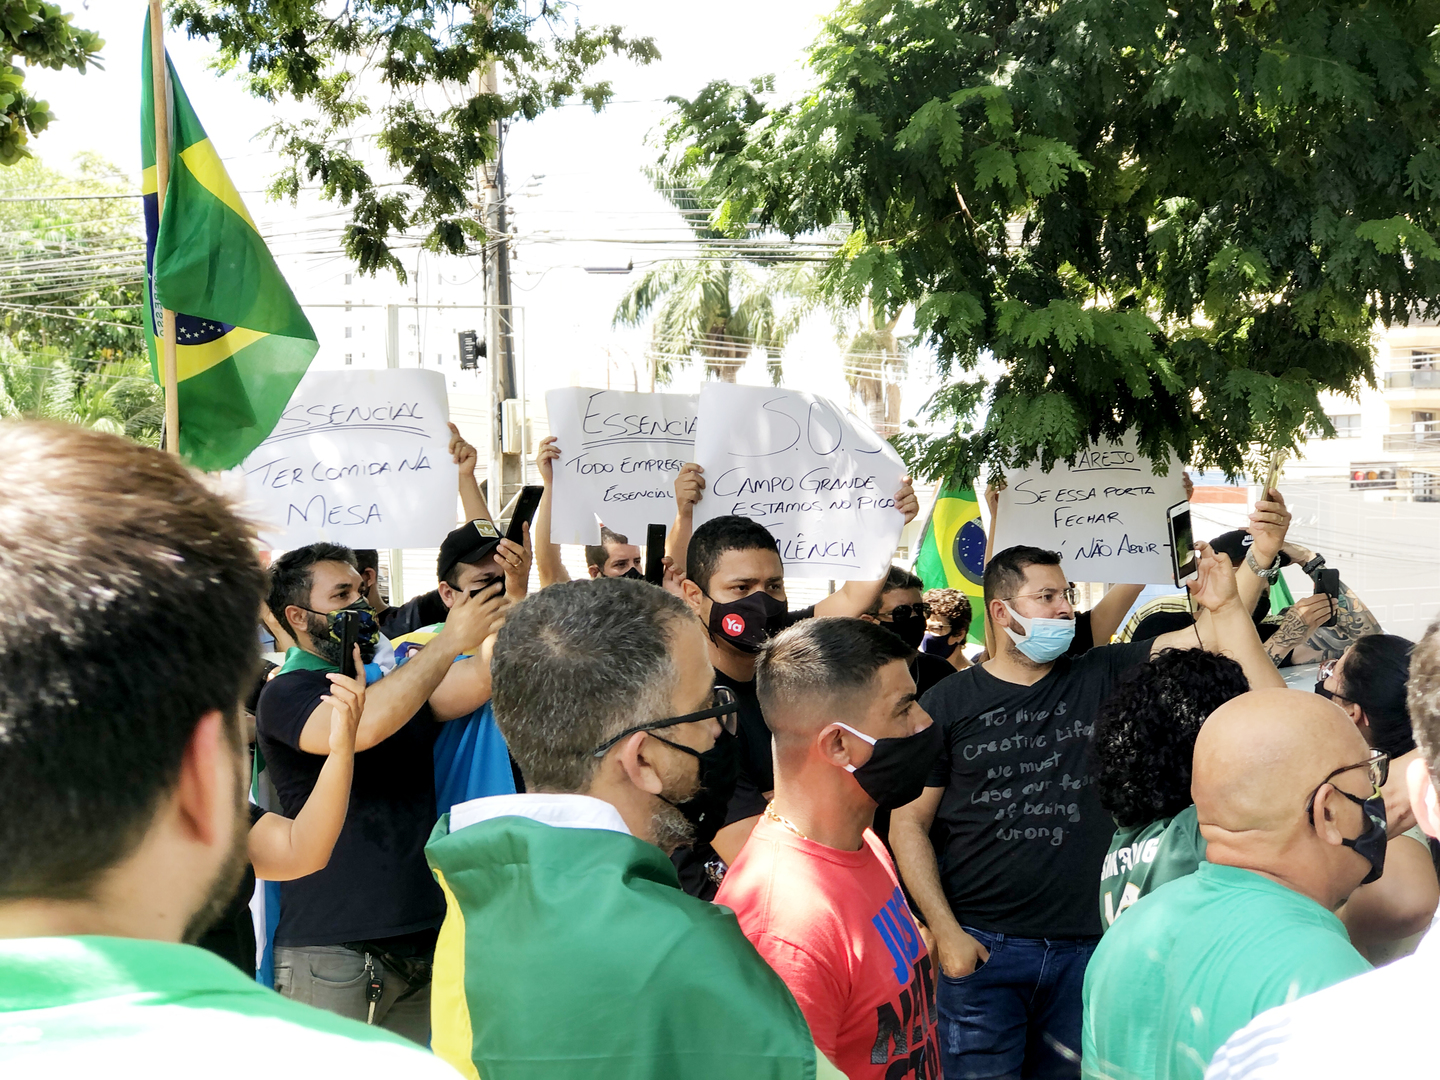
1105,515
359,458
619,454
815,475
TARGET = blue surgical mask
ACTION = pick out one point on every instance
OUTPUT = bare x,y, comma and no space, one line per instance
1044,639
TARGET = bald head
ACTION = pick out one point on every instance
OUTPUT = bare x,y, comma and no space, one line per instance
1257,759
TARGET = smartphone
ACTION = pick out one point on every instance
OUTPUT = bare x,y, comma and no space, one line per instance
349,625
1273,476
654,554
1183,561
525,507
1327,581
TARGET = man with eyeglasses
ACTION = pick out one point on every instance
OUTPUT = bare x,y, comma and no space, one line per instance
1007,886
1288,798
568,947
1318,1035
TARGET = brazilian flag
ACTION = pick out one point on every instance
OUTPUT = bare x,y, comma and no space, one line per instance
242,342
952,550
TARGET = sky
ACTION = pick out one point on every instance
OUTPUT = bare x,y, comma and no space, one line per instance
577,189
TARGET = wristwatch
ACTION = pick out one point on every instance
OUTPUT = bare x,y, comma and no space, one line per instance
1314,564
1268,575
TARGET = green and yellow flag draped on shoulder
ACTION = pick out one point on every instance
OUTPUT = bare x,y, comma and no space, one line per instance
242,342
952,550
572,952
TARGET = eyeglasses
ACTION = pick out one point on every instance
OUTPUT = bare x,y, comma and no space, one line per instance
1323,674
908,611
1046,596
1379,765
723,710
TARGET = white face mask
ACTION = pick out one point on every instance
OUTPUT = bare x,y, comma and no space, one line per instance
1044,640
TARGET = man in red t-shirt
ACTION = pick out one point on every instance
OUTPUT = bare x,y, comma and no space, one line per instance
813,887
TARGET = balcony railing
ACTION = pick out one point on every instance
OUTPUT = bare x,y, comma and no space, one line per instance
1412,379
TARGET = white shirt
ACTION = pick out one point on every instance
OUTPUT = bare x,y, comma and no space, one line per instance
1380,1021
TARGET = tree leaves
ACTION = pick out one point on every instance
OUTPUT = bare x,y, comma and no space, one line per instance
1178,219
40,35
375,58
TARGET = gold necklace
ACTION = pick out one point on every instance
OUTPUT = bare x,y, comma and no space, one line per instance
783,821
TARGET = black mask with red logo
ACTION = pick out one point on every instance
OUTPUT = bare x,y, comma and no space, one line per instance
747,622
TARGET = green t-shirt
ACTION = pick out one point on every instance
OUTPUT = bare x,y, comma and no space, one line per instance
104,1006
1144,858
1197,960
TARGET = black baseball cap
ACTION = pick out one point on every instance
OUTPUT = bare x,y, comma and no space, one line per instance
1236,543
472,542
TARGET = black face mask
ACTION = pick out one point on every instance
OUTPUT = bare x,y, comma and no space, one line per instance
633,574
909,630
745,623
938,645
324,631
1372,841
719,771
898,768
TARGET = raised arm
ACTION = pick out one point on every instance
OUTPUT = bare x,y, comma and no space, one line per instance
1106,615
1223,625
689,489
1268,525
547,555
957,952
857,597
282,849
466,456
392,701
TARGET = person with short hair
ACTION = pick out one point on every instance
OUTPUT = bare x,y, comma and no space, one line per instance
1288,799
1386,918
614,556
1319,1034
947,626
901,609
814,888
357,937
567,938
128,643
1007,885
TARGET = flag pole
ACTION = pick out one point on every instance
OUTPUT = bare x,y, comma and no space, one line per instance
169,365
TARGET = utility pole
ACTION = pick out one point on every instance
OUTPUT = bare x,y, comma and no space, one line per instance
505,472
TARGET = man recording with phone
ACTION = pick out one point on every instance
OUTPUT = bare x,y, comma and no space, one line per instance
357,937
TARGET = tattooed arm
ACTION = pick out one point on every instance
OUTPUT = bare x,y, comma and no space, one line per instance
1353,621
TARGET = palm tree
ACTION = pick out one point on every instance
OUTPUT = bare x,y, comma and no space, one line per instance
875,362
718,307
119,397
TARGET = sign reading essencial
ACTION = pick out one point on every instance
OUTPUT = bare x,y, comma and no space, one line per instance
359,458
817,477
619,454
1105,515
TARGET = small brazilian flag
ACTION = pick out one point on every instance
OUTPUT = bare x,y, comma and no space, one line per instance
242,342
952,550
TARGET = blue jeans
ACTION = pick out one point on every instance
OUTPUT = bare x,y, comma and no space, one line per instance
1017,1016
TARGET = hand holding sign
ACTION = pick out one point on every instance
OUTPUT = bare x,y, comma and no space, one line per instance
831,491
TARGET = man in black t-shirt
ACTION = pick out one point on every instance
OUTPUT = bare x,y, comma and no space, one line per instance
902,610
368,921
1019,831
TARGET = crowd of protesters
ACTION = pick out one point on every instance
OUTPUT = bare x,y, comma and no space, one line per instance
675,829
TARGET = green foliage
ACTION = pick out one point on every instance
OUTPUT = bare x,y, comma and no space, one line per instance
71,270
120,398
373,60
36,34
1183,220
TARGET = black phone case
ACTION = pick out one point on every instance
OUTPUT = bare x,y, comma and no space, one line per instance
654,554
347,643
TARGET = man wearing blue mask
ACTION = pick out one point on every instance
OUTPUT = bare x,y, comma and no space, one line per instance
1008,887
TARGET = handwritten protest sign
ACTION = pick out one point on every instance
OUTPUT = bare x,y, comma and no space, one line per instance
1105,514
358,458
619,454
813,474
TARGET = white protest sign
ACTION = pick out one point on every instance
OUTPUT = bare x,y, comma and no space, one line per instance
359,458
1105,515
619,454
817,477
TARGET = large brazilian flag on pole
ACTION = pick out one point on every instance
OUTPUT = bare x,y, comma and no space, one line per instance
242,341
952,550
